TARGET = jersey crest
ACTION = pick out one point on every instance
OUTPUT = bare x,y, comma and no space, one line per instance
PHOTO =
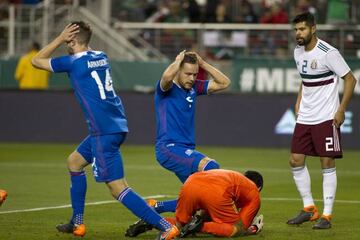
313,64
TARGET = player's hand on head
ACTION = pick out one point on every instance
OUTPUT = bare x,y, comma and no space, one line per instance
339,118
200,60
69,32
180,56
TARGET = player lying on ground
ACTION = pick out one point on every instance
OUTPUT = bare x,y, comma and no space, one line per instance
228,200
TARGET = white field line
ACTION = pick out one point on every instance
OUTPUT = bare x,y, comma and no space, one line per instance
163,196
69,206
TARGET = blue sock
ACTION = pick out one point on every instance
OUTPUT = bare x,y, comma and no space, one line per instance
141,209
77,193
212,164
165,206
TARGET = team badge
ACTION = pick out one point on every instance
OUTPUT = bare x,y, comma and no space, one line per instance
313,64
189,152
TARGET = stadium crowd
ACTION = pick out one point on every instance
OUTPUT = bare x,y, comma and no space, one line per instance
233,11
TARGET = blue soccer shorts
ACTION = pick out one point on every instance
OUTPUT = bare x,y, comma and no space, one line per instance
103,152
181,160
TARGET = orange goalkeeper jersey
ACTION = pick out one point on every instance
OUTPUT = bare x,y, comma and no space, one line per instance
227,196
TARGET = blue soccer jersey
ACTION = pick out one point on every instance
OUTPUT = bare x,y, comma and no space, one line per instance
175,112
90,77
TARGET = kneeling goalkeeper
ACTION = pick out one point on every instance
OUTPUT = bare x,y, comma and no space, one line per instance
230,199
220,202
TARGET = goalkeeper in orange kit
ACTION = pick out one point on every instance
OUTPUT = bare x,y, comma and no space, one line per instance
229,199
220,202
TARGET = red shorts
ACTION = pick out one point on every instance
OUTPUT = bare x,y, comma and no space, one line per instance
321,139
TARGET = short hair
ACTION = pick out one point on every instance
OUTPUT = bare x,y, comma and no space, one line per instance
35,46
255,177
189,58
306,17
84,34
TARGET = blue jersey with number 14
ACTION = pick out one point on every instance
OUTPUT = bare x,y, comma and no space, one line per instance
90,77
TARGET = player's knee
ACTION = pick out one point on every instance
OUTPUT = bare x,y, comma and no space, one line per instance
211,164
74,162
116,187
296,161
327,162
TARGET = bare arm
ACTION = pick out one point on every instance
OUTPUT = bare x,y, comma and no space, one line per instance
42,58
228,230
219,81
171,71
349,85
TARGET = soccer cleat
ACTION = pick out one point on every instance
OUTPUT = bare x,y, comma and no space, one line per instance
171,233
65,227
323,223
137,228
192,227
305,215
152,202
3,195
77,230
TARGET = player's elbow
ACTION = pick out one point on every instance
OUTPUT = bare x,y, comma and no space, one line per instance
35,62
227,83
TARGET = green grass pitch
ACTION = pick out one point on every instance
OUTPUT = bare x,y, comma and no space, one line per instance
35,176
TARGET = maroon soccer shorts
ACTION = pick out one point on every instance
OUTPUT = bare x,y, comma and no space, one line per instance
321,139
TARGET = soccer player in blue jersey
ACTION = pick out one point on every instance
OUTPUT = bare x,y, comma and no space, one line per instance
175,103
90,77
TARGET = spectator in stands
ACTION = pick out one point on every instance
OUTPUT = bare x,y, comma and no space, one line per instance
30,1
303,6
176,13
177,39
222,12
210,9
4,9
29,77
246,13
275,14
217,11
193,10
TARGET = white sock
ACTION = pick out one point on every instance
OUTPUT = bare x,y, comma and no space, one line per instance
329,189
303,183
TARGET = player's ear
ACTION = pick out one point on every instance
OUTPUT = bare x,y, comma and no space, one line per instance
313,29
72,43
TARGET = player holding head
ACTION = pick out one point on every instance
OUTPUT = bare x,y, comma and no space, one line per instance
175,104
90,76
319,116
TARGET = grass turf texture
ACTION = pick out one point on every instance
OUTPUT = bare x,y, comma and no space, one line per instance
35,176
